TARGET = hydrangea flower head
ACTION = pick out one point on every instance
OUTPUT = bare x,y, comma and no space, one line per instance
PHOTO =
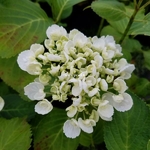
87,71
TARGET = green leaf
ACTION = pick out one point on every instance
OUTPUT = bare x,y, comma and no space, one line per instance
49,133
108,30
95,138
98,135
148,145
13,75
61,9
22,23
85,139
109,10
4,89
14,134
129,130
146,55
142,87
140,25
17,107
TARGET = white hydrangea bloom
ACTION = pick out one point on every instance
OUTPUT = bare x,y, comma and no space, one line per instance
77,88
43,107
120,85
125,69
34,68
37,49
122,102
84,70
71,111
44,78
105,110
103,85
71,128
2,103
86,125
55,32
80,40
35,91
54,70
98,44
25,58
94,115
54,57
77,100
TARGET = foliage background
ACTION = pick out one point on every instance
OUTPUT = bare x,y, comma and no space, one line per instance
23,23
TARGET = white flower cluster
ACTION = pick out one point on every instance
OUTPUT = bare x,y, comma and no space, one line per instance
86,70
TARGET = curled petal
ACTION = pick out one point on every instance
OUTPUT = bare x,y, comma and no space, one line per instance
124,103
93,92
25,58
120,85
37,49
105,109
71,129
34,91
103,85
72,110
34,68
55,58
94,115
86,125
55,32
80,40
43,107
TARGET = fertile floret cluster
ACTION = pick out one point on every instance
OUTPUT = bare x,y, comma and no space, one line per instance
88,71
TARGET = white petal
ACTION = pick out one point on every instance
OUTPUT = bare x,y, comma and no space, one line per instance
106,118
103,85
55,32
24,58
120,85
125,104
73,33
86,125
37,49
2,103
126,71
98,44
93,92
105,109
99,61
80,40
54,69
34,91
72,110
76,101
71,128
77,88
34,68
43,107
55,58
94,115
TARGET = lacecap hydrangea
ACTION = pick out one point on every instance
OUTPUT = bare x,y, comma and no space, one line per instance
88,71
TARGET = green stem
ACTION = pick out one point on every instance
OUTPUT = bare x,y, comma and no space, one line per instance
135,3
137,8
128,26
100,27
145,5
